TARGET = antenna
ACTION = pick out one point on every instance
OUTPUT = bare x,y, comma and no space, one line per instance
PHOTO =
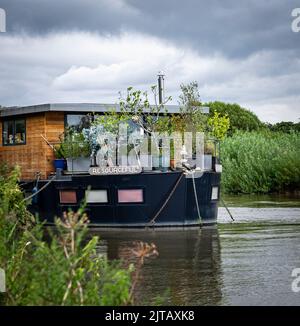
161,87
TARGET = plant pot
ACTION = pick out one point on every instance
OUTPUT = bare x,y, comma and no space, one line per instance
146,162
78,164
165,161
214,162
123,159
59,164
172,163
155,162
207,161
200,161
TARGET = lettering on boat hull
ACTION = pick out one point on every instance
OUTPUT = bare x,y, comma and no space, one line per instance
111,170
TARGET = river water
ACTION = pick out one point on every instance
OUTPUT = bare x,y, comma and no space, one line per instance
245,262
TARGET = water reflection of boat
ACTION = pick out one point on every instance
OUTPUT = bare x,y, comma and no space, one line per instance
187,269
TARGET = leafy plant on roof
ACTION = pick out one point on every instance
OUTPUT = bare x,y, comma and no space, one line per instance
74,144
191,118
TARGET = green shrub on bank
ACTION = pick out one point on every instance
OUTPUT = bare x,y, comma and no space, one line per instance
260,162
65,269
285,126
240,118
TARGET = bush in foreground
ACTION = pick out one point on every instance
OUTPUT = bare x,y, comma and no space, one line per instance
64,270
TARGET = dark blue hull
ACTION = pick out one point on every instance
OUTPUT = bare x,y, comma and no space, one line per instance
169,199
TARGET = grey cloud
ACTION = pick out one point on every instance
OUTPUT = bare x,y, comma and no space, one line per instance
234,28
43,16
85,67
75,50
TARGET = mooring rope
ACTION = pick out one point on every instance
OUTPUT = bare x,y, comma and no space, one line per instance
25,183
44,187
152,221
227,209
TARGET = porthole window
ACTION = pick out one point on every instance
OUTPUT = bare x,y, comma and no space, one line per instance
215,193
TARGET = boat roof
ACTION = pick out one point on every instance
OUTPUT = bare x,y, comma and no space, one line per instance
74,108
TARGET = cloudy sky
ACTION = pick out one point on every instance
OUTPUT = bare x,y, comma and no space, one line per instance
241,51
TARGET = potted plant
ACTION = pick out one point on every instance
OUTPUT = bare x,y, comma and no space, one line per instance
172,156
153,124
165,161
77,152
208,155
59,161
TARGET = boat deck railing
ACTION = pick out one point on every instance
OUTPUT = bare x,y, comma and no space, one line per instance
80,164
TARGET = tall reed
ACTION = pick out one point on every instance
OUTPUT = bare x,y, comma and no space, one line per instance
260,162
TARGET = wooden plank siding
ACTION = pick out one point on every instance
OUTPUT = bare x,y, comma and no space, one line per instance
35,155
54,128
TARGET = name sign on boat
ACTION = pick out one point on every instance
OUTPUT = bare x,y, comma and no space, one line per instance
115,170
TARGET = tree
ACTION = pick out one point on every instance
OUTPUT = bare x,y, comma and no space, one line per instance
219,125
135,109
285,126
240,118
191,117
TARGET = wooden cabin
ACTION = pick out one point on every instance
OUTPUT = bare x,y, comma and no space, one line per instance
22,128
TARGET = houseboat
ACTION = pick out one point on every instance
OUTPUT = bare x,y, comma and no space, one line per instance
115,196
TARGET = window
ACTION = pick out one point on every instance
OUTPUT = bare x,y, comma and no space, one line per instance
67,197
96,196
14,132
130,196
215,193
77,122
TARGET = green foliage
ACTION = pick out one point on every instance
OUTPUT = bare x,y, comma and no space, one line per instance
190,95
59,151
260,162
12,206
14,216
151,118
285,126
209,147
61,267
219,125
111,120
65,269
240,118
136,107
73,144
191,117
